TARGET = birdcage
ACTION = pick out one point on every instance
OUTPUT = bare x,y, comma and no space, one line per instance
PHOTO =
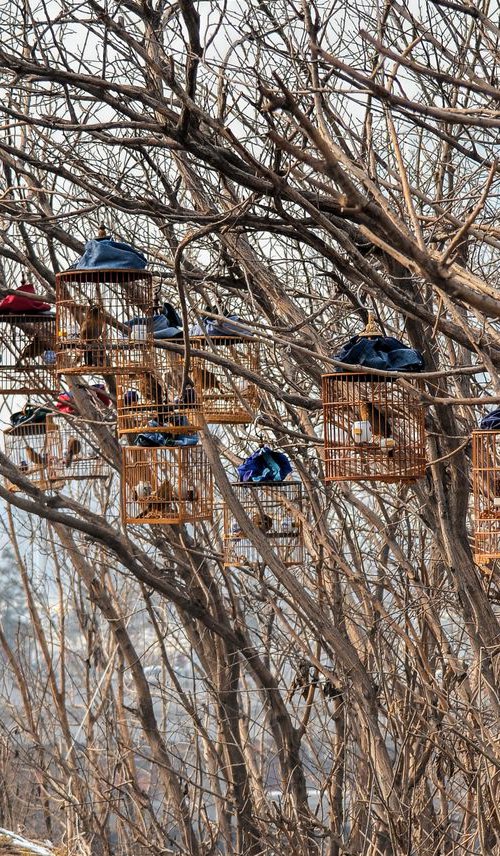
224,395
166,485
276,509
30,447
27,354
156,399
374,429
104,321
486,490
74,454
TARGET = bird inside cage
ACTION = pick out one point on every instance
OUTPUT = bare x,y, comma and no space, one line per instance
373,427
39,346
72,452
92,331
263,522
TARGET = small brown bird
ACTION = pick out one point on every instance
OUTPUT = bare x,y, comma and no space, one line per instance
381,426
31,351
263,522
161,502
38,458
209,380
74,449
92,330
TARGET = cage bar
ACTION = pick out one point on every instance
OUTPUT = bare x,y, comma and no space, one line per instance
226,397
30,447
374,429
166,485
486,490
156,396
27,354
74,454
276,508
104,321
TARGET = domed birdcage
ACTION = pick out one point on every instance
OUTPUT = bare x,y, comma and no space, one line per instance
166,485
30,447
276,509
75,454
155,398
486,490
27,354
104,321
224,395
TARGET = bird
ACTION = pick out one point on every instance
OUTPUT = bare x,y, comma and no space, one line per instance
188,396
92,330
262,521
188,493
153,388
74,449
35,348
160,502
209,380
142,490
38,458
380,424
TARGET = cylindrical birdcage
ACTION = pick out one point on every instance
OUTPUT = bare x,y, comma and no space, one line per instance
225,396
27,354
276,508
104,321
75,454
154,399
30,447
486,489
166,485
374,429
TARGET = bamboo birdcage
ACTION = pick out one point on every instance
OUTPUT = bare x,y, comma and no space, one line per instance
374,429
486,490
226,397
276,508
156,396
27,354
93,309
30,447
166,485
75,454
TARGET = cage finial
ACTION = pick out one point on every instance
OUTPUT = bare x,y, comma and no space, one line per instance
371,328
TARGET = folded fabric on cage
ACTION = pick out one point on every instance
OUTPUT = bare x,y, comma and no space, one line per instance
165,324
265,465
155,439
14,304
491,422
380,352
106,254
213,327
65,400
31,414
